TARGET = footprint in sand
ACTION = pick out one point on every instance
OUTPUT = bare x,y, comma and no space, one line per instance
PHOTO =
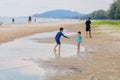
104,76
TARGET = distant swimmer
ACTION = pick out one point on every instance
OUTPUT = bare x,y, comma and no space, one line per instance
58,42
88,28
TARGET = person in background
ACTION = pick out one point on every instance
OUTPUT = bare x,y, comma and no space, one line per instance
29,19
35,20
13,20
88,28
58,42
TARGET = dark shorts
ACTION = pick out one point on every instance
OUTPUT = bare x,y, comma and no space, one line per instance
88,29
58,42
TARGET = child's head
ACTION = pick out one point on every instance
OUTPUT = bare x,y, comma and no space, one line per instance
79,33
61,29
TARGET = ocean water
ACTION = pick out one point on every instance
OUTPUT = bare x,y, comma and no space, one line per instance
8,20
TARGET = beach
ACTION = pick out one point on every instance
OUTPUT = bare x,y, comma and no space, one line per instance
99,61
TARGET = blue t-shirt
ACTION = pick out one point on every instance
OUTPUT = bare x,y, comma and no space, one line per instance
79,39
88,22
59,34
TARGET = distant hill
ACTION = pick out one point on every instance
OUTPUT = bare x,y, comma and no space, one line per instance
59,14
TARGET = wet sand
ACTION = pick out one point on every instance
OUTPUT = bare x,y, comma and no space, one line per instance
101,64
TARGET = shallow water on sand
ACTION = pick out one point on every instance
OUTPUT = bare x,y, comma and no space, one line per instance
13,55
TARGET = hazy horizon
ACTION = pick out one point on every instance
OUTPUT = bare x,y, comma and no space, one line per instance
29,7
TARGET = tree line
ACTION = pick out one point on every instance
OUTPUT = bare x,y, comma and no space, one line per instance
112,13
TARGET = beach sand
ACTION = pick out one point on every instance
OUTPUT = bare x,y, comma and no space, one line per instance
100,64
9,32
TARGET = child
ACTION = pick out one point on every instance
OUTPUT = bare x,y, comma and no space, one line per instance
57,39
79,40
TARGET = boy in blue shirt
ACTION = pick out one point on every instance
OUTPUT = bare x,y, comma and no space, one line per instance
79,40
57,39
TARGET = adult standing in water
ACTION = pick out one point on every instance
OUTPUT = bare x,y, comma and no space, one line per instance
88,28
29,19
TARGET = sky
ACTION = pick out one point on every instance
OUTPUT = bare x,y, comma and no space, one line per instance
29,7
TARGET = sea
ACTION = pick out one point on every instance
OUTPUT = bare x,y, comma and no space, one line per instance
8,20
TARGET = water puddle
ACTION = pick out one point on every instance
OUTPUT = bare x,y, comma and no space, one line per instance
20,70
13,56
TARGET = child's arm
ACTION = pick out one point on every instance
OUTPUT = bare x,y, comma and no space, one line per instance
65,36
81,38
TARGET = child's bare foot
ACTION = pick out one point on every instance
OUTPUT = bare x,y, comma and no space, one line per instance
90,36
55,52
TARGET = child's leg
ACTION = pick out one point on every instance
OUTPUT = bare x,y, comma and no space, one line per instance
90,35
86,34
78,50
59,46
55,50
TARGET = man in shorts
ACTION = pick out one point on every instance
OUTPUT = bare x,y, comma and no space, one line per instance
88,28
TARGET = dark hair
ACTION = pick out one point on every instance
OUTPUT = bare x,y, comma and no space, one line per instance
89,18
79,32
61,28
